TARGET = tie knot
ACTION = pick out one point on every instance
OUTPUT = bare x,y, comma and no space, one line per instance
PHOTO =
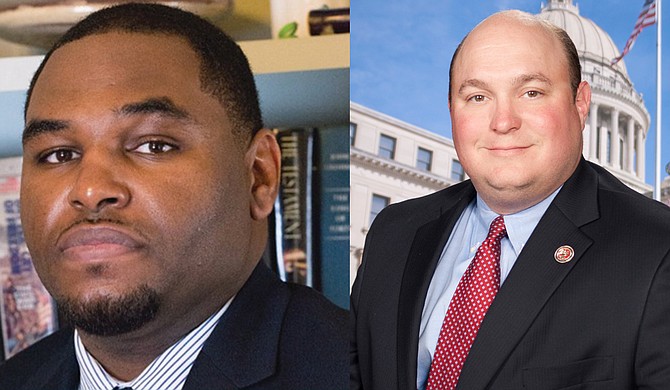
497,230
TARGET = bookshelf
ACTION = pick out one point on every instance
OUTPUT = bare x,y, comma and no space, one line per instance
301,83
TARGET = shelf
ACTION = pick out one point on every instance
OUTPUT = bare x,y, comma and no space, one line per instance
38,23
302,82
298,54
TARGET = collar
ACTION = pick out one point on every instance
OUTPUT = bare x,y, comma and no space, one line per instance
519,225
167,372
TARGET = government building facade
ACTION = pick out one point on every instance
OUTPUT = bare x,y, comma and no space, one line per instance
392,160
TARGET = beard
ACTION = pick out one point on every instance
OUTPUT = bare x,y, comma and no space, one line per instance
111,315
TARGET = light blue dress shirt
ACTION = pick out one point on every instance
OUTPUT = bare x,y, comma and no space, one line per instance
469,232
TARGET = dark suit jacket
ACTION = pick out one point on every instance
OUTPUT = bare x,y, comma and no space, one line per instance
600,321
273,336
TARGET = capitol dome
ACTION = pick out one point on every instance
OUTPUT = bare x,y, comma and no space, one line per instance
592,42
616,130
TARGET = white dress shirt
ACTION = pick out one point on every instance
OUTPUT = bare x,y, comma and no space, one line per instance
167,372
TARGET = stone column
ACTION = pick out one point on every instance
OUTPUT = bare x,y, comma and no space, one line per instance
640,153
630,145
614,140
603,145
593,131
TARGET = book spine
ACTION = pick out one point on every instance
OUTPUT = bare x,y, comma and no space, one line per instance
332,212
27,311
293,213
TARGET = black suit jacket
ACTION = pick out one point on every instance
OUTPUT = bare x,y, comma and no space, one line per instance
600,321
273,336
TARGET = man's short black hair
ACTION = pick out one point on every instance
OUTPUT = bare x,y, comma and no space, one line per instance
224,69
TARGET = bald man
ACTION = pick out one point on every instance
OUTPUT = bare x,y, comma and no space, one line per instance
542,271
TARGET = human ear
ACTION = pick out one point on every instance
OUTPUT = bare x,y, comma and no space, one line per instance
264,160
583,101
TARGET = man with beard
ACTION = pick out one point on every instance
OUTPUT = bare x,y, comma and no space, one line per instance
147,181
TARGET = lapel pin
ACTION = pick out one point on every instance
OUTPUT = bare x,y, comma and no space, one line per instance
564,254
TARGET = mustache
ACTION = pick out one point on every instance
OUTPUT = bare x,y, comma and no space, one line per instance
95,220
100,220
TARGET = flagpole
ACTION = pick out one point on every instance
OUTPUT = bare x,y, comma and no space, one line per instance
657,186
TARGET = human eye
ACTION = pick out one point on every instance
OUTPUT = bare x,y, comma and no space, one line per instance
533,94
155,147
477,98
58,156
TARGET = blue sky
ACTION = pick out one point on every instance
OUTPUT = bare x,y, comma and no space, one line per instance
401,49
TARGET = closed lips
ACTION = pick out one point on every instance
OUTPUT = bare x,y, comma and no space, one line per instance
94,236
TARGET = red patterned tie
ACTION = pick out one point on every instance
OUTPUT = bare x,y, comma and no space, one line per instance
473,296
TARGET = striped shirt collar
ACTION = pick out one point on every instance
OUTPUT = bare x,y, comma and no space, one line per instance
167,372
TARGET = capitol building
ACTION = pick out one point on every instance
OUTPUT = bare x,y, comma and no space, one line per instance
617,125
392,160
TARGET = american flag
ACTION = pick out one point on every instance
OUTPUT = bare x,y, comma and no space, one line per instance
647,18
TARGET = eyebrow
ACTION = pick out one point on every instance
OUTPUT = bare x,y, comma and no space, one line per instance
162,106
527,78
517,81
40,126
474,83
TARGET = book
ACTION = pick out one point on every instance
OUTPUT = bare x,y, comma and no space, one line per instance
309,228
27,311
293,208
329,21
331,212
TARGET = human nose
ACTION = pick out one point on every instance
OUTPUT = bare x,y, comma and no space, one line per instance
97,186
505,117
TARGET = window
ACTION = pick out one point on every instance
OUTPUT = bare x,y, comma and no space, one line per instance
386,146
424,159
457,172
352,133
378,203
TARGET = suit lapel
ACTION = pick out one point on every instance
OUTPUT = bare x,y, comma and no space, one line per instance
534,278
60,370
243,348
66,376
424,254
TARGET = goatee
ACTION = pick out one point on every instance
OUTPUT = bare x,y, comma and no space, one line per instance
111,315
